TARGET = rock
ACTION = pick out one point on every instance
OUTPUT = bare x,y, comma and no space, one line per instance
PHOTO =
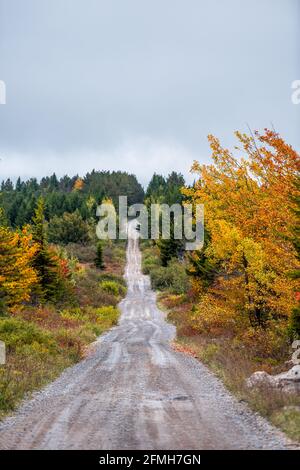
258,379
287,382
294,409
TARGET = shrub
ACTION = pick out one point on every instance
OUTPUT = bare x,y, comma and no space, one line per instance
113,277
72,341
268,343
69,228
18,333
173,278
77,314
150,259
110,313
89,291
211,316
149,264
113,288
84,253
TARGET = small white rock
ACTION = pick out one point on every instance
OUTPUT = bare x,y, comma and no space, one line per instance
287,382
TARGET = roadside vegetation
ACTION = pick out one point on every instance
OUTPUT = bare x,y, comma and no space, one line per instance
236,302
66,196
58,292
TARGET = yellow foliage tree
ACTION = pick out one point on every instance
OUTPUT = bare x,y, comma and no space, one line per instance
17,276
249,217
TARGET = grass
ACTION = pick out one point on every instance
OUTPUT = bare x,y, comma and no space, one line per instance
172,278
42,341
233,362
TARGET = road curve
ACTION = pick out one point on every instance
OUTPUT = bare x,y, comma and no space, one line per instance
135,392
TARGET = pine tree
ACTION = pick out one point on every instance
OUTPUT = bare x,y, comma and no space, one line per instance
171,247
43,262
99,256
19,184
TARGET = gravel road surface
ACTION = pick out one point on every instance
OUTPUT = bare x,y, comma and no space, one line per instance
134,391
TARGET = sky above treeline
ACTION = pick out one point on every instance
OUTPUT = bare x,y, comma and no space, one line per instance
138,85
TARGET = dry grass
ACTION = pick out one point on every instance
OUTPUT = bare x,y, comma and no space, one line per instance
234,357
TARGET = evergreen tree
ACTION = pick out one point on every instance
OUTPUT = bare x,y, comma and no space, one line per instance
156,187
60,196
43,261
200,264
19,184
70,228
170,247
174,183
99,256
7,185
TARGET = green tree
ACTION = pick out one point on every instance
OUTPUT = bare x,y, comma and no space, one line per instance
201,265
171,247
70,228
99,256
43,260
295,316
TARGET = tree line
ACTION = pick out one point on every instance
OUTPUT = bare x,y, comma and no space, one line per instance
66,195
249,265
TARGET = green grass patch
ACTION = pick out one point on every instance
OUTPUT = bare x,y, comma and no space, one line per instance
42,341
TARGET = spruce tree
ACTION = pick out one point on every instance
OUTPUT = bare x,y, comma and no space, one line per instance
43,262
171,247
99,256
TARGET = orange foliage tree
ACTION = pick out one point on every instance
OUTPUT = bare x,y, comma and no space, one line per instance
78,185
17,276
249,217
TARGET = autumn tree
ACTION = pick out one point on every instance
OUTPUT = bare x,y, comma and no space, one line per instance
66,194
43,261
248,214
78,185
295,317
99,255
17,275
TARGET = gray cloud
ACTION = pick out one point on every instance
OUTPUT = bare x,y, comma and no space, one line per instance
138,85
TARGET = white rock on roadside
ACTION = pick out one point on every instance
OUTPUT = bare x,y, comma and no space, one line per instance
287,382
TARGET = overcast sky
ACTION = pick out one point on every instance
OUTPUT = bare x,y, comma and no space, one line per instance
137,85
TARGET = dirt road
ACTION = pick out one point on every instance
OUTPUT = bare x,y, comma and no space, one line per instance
135,392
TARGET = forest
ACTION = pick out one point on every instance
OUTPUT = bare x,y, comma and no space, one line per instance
66,194
59,285
236,303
